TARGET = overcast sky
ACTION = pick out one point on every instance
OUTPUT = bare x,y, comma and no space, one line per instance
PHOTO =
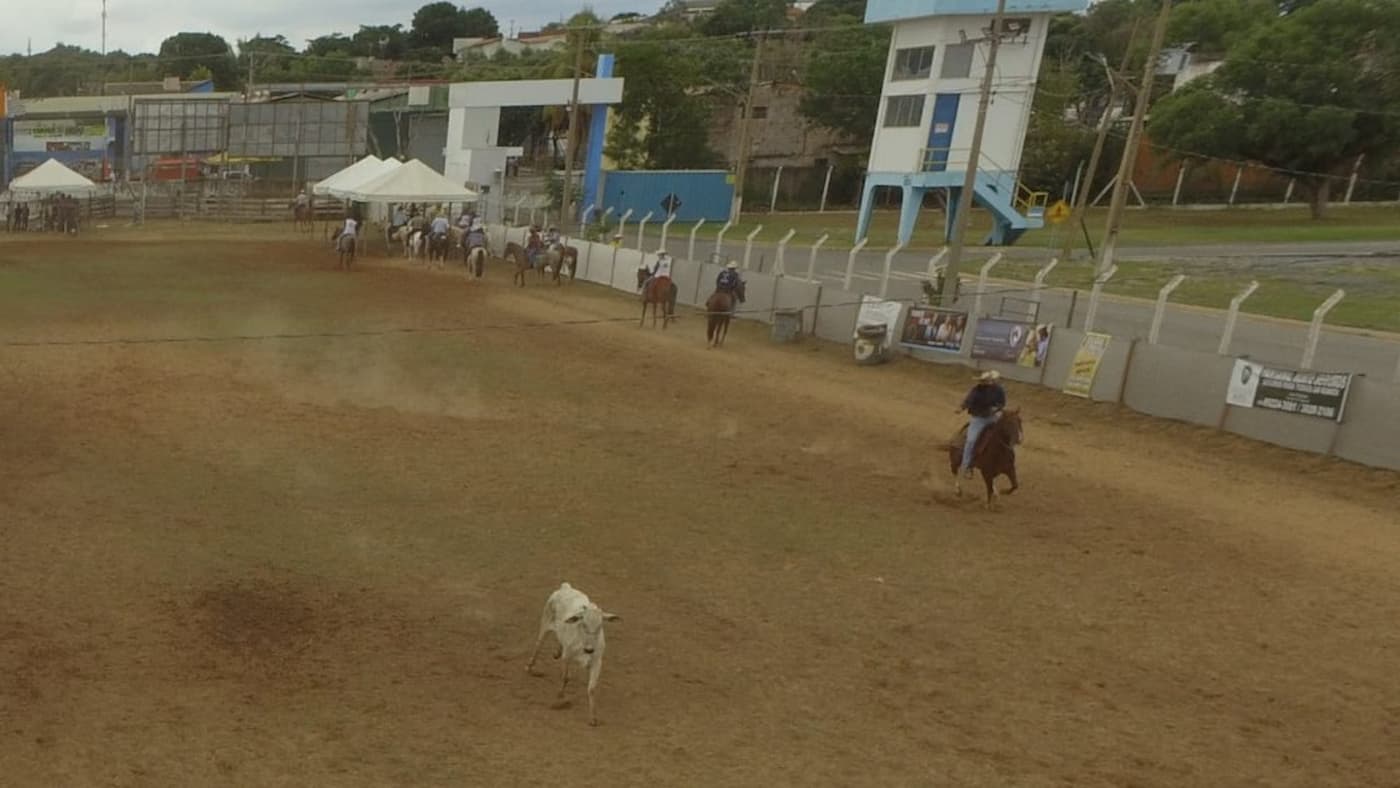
140,25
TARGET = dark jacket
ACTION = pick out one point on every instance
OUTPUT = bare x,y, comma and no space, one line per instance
983,401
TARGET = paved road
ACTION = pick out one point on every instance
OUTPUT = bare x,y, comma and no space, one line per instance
1264,339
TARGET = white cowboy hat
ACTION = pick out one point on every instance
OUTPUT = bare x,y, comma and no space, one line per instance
990,375
660,252
731,265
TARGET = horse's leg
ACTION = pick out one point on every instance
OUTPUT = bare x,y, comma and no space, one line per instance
1015,484
987,478
643,324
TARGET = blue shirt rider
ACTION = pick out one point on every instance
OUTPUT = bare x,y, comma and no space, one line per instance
476,236
728,281
984,404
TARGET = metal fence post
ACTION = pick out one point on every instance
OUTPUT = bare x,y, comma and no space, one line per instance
885,275
666,229
583,221
690,249
851,261
1239,173
773,200
812,258
1233,315
622,225
642,229
780,260
1040,278
1094,296
1161,310
748,245
826,187
936,262
719,240
982,277
1315,330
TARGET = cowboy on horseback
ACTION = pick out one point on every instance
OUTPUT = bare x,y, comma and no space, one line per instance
476,236
984,404
534,246
729,281
551,237
662,268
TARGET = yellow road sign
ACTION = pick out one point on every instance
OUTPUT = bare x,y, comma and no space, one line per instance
1058,212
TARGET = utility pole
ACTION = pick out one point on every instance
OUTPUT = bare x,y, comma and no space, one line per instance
248,91
974,156
104,28
1081,200
1130,148
571,149
742,159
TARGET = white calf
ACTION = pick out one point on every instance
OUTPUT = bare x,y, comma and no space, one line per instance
577,624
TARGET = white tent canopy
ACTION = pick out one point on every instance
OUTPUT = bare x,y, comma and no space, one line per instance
344,187
51,177
351,173
412,182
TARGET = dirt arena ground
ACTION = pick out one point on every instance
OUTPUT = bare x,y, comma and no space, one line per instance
320,561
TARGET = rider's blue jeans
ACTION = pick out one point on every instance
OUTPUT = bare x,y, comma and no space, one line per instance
975,426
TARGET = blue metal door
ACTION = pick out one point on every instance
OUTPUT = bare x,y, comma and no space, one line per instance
940,132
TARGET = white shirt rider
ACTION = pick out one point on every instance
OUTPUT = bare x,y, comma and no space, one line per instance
663,266
350,227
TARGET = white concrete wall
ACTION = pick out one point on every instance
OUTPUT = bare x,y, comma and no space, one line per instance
1018,63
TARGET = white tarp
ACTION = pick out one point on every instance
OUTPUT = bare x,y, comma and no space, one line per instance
369,164
345,189
51,177
414,181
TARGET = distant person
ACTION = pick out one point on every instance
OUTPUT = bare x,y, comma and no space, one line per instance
728,281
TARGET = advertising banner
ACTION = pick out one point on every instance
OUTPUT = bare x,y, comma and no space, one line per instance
1319,394
1086,364
59,135
930,328
1011,341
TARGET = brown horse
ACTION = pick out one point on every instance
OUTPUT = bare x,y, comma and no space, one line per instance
719,308
660,294
518,259
995,454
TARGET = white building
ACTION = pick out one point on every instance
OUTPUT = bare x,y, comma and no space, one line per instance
928,106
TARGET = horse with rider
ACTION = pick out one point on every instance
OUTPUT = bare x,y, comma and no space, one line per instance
723,303
988,442
657,289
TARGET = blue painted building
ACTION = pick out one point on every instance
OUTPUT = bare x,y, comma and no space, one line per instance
689,194
928,107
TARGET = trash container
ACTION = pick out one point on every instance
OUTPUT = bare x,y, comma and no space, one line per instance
787,325
870,344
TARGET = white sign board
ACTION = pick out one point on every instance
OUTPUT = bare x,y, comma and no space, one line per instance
874,312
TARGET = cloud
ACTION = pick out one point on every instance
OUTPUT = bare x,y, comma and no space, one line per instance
140,25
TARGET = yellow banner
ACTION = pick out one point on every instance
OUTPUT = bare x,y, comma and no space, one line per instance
1086,364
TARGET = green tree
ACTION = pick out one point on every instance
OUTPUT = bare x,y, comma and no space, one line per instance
436,24
333,42
382,41
480,23
182,53
743,16
672,85
844,69
1211,26
1309,92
